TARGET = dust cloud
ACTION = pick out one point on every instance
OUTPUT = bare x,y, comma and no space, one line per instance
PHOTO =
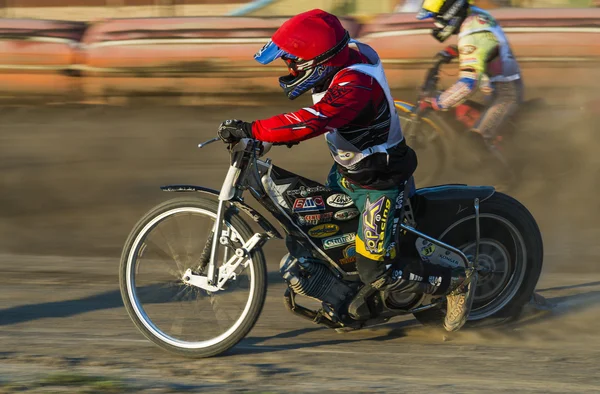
75,179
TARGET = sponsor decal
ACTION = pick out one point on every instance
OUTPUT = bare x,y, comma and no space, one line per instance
334,93
323,230
400,200
304,191
427,248
349,255
399,206
416,278
309,204
453,10
346,214
346,184
467,49
375,219
338,241
345,155
435,280
339,200
391,251
437,254
396,274
447,257
315,218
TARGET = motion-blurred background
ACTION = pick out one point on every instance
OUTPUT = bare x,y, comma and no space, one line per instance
103,101
98,112
94,9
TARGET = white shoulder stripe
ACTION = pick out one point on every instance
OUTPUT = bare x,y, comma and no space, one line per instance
316,113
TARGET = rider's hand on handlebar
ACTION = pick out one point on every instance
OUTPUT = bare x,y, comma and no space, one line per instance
234,130
447,54
426,104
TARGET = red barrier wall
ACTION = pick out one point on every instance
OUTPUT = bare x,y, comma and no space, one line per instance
37,56
166,56
209,53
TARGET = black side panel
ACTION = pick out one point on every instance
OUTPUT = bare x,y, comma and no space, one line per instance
328,217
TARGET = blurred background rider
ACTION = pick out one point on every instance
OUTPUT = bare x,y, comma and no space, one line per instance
486,63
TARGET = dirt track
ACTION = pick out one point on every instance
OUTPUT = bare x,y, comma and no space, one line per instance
76,180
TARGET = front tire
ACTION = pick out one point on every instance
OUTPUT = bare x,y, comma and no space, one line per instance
511,247
151,304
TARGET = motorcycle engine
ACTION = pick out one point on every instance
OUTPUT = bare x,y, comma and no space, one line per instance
314,279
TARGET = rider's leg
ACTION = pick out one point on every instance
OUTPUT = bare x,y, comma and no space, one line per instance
378,266
485,135
505,102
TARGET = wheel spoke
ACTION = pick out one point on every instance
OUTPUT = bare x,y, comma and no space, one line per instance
173,254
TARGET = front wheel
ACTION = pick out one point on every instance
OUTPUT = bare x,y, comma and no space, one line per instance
510,255
177,316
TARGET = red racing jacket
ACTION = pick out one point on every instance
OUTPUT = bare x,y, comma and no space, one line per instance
357,107
352,100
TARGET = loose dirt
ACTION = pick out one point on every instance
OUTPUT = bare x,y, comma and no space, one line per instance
75,180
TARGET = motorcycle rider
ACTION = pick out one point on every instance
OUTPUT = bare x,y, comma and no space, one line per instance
354,108
486,63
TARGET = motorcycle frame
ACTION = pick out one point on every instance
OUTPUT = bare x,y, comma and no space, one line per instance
243,159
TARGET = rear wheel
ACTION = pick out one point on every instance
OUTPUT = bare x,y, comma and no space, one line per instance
510,256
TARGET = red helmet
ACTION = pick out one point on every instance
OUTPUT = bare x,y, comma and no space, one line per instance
314,45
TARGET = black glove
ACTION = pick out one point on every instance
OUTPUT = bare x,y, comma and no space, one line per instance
447,54
234,130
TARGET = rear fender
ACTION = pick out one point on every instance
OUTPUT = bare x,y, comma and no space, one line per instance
435,208
239,204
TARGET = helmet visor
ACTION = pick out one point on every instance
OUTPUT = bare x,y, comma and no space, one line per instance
268,53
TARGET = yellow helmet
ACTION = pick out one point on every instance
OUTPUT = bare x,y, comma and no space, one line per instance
448,15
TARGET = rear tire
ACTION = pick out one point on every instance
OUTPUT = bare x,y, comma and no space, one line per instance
515,287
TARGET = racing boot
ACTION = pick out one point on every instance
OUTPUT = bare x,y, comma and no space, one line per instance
460,298
392,279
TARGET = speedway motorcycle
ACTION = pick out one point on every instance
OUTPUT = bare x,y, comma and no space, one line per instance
193,274
441,139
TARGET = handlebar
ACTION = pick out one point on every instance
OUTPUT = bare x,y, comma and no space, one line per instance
431,79
203,144
428,88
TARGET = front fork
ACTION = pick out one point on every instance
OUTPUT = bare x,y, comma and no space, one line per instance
214,250
227,193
